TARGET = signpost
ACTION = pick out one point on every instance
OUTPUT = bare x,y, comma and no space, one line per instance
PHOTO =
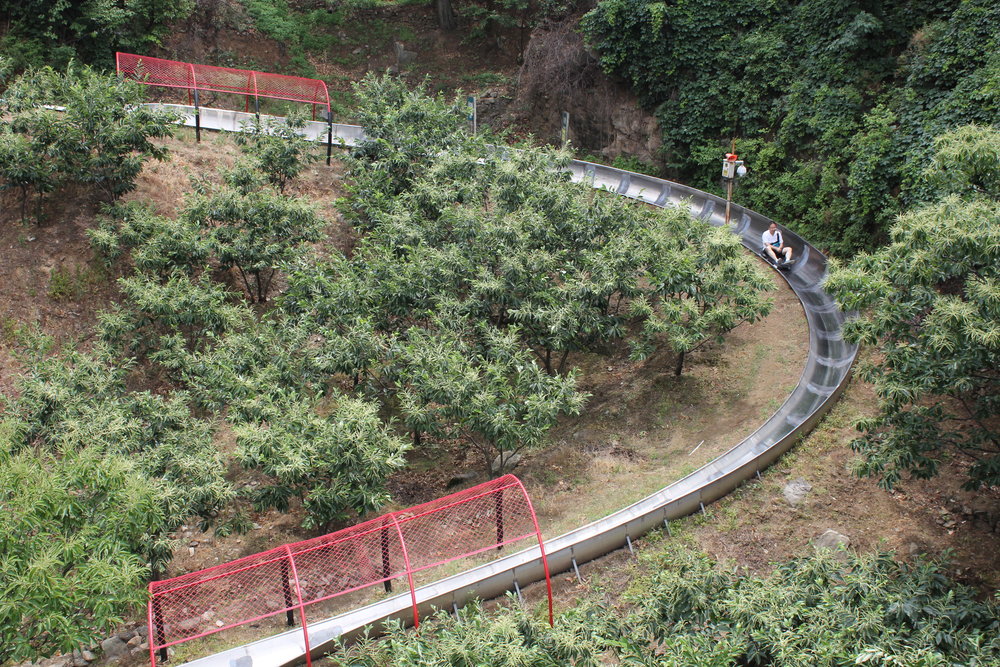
732,168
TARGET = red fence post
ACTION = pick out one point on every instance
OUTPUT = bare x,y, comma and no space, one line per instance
302,607
409,571
541,548
150,626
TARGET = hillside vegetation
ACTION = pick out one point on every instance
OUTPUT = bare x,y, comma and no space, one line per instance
475,276
251,336
686,611
833,104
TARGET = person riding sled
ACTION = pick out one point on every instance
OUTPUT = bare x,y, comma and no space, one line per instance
774,245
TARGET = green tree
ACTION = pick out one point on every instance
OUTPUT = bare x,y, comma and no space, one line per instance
692,612
277,148
157,245
25,166
93,478
50,32
155,312
103,136
404,129
831,103
336,464
489,395
69,572
253,229
701,285
930,301
74,401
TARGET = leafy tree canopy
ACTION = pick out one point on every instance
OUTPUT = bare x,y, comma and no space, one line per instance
253,230
53,32
488,393
930,301
833,104
277,149
102,137
92,478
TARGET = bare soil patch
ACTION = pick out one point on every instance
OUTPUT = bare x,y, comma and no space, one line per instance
756,527
51,283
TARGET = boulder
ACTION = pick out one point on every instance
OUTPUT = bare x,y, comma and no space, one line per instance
831,539
57,661
114,647
461,478
505,461
796,490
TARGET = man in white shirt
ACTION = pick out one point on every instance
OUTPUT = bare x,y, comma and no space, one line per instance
774,245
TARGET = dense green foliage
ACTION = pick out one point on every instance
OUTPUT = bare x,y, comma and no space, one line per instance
930,300
815,611
67,574
483,390
252,229
101,139
92,478
269,377
95,474
277,149
833,104
479,277
54,32
300,32
475,259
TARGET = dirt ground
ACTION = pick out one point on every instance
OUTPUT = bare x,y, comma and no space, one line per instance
52,281
756,526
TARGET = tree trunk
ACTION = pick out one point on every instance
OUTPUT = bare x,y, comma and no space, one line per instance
446,15
562,362
680,364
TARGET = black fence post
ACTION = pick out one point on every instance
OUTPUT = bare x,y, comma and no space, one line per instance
498,504
329,136
160,633
387,584
197,118
287,590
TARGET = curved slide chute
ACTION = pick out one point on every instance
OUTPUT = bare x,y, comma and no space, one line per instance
825,375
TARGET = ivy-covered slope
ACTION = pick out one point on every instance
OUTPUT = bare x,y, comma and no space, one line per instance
833,104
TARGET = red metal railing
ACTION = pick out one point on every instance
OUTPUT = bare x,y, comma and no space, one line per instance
394,547
193,77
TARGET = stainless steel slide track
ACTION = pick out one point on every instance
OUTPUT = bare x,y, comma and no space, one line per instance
823,378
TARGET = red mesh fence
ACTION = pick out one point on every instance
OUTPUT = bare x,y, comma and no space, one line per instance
393,548
190,76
